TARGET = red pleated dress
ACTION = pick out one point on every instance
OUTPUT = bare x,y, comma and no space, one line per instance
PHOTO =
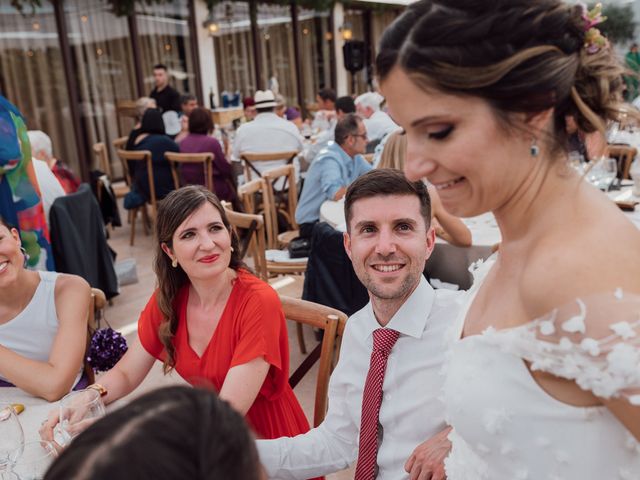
252,326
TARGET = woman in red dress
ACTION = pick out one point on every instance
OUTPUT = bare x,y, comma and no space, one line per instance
211,320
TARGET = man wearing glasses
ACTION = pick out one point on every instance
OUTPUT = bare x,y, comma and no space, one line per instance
332,171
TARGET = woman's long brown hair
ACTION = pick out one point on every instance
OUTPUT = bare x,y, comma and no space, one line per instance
172,211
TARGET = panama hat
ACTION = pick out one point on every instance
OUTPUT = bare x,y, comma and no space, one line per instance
264,99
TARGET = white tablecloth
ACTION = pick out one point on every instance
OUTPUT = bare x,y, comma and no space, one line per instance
35,412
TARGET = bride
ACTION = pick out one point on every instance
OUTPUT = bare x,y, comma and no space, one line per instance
544,376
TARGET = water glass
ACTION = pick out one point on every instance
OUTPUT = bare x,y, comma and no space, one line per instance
34,461
11,438
78,410
603,173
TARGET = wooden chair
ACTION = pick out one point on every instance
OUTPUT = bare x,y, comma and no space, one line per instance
205,159
252,241
331,322
278,203
102,157
368,157
625,155
97,304
140,156
120,143
249,159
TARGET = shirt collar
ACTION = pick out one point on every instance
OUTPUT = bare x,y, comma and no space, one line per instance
411,317
343,155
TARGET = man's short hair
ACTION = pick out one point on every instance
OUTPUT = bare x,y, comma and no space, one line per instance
383,182
40,141
347,126
327,94
160,66
187,98
345,104
372,100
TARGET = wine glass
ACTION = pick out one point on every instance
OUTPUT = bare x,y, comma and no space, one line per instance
603,173
35,460
78,410
11,438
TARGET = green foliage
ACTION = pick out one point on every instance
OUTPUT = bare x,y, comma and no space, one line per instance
620,26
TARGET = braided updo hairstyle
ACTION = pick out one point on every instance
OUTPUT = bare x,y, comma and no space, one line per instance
521,56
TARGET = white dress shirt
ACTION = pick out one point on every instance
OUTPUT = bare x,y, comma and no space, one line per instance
267,133
50,187
411,411
378,125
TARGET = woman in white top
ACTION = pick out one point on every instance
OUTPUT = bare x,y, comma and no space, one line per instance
43,324
544,377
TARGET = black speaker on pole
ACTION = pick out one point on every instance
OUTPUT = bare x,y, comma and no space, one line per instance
355,53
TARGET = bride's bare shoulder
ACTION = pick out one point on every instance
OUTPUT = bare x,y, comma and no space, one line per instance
567,265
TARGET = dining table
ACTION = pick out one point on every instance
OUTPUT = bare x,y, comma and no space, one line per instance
36,410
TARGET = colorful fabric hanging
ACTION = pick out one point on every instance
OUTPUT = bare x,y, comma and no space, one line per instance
20,197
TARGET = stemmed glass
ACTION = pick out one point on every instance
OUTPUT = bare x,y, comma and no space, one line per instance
11,439
603,173
35,460
78,410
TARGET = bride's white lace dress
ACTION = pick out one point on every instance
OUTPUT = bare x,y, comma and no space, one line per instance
505,427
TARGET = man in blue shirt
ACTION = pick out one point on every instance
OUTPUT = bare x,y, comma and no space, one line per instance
332,171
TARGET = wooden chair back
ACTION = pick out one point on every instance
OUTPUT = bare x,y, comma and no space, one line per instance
253,239
250,159
204,159
120,143
331,322
256,199
625,155
97,304
284,200
127,156
102,158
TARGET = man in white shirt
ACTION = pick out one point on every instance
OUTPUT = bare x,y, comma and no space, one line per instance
378,123
267,133
388,240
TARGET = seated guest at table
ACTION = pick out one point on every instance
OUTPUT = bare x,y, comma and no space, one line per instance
343,105
250,111
199,141
378,123
152,137
288,113
325,117
42,157
170,433
332,171
211,320
267,133
142,105
43,324
448,227
42,149
382,412
187,104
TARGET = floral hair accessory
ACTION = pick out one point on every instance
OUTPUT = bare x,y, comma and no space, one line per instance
594,41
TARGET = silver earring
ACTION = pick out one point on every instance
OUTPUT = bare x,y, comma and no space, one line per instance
174,263
233,249
25,255
535,150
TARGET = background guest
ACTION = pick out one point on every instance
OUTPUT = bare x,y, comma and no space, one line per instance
344,105
152,137
187,104
43,323
325,117
42,149
250,111
174,432
378,123
198,140
142,105
167,98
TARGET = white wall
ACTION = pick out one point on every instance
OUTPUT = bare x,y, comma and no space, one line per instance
207,55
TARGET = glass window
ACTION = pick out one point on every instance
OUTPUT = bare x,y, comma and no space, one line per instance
32,75
315,47
234,49
276,51
163,31
101,49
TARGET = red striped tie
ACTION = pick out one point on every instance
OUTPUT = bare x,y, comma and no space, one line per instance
383,341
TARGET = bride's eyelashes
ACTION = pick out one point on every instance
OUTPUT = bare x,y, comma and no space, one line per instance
441,134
